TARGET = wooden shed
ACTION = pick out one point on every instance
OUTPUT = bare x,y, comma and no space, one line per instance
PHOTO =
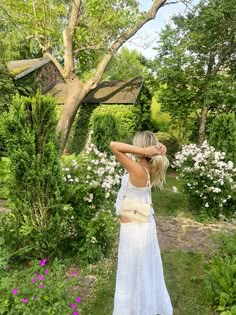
51,82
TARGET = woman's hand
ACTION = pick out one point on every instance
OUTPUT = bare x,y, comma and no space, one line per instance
159,149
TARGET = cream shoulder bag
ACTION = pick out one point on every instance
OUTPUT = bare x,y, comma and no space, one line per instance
135,210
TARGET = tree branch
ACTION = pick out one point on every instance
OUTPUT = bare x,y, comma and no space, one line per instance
147,16
92,47
55,61
227,51
67,38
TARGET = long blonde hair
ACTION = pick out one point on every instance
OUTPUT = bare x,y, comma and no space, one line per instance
159,163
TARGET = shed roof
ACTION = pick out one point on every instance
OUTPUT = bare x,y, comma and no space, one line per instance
116,92
20,68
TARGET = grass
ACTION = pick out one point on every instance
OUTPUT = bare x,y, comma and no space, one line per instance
167,202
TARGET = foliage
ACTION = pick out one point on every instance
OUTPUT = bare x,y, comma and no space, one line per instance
221,277
125,65
144,103
210,180
91,179
104,131
222,134
80,128
170,142
194,65
35,179
43,22
127,118
41,289
4,172
7,91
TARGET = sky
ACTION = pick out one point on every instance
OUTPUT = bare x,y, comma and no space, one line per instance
145,39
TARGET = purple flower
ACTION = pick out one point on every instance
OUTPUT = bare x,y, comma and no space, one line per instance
73,305
35,274
78,299
25,300
15,291
46,271
75,313
74,273
41,285
33,280
43,262
40,278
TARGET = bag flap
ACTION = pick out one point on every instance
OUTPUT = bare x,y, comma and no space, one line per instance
132,205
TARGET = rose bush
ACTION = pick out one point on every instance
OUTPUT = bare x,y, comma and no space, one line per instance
209,179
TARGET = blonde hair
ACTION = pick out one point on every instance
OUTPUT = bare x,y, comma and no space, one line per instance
159,163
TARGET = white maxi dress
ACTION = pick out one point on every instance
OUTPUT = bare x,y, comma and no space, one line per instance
140,285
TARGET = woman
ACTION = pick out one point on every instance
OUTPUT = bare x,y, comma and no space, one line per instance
140,284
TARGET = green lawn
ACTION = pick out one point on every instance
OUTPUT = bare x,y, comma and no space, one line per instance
167,202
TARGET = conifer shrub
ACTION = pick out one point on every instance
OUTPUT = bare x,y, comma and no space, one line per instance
36,224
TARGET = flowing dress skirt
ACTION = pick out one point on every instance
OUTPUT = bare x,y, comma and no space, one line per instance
140,285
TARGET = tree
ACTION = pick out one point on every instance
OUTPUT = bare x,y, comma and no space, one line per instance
196,62
125,65
80,37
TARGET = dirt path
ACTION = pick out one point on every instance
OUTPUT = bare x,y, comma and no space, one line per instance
178,233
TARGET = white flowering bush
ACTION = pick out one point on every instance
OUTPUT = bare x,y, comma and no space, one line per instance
209,179
91,182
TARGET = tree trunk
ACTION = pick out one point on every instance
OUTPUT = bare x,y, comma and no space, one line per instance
75,95
202,125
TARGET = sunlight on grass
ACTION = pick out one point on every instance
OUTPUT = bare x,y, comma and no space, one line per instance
167,202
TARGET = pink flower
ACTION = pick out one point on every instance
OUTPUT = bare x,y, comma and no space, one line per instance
25,300
73,305
15,291
33,280
75,313
35,274
40,278
41,285
43,262
46,271
74,273
78,299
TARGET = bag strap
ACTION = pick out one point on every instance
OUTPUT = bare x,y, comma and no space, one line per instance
149,185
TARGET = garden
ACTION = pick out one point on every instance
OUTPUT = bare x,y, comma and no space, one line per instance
59,180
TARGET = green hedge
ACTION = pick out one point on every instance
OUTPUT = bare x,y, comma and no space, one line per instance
124,121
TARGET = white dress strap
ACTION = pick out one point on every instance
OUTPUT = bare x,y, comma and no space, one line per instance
148,181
